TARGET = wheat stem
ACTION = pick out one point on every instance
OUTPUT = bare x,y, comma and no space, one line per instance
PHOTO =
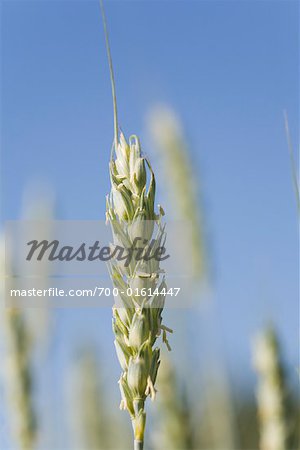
292,159
138,445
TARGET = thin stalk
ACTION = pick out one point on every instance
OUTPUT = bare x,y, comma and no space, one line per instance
292,158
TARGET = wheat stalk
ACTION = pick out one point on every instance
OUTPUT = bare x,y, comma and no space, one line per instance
270,392
137,320
292,159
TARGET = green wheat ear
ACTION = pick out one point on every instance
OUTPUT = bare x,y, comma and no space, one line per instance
137,320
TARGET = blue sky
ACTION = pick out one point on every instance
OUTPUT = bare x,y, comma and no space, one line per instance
228,69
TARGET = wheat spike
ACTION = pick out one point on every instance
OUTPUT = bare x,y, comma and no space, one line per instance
137,320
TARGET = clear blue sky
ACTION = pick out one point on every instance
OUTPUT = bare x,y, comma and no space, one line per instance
228,68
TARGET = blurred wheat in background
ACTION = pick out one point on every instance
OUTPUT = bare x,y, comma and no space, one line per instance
17,369
270,392
89,415
180,181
